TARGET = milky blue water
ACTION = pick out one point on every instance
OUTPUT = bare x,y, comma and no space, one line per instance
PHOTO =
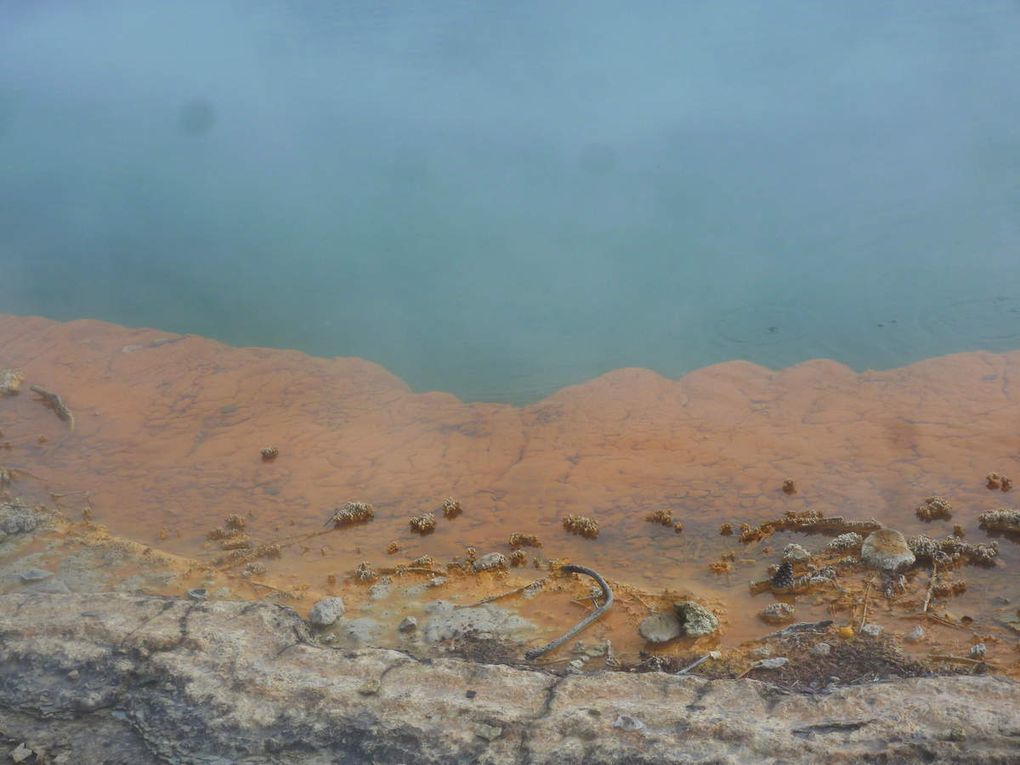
499,199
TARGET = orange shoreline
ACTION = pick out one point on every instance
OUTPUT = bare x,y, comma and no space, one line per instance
169,430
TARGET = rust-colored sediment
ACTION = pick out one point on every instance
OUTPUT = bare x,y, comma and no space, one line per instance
168,433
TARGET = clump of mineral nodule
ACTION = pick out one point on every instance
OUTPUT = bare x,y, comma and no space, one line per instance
10,382
661,517
580,524
934,508
365,573
1004,519
352,513
423,524
994,481
451,508
524,540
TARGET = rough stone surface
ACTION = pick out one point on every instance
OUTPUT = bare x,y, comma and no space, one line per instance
326,611
660,628
448,622
871,630
16,519
490,562
34,574
777,613
408,624
916,635
821,649
695,619
796,553
165,680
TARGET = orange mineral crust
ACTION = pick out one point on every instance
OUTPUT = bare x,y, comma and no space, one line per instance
170,431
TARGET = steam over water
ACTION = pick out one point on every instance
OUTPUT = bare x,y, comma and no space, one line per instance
501,199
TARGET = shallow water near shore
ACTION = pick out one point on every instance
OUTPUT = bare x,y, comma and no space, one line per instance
168,432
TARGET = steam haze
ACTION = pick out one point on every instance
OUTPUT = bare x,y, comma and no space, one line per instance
499,199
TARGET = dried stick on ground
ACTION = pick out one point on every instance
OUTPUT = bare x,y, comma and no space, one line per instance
537,583
931,588
864,615
607,595
56,403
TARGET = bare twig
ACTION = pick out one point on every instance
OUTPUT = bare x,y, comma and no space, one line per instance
956,659
864,614
931,587
290,595
702,660
56,403
507,594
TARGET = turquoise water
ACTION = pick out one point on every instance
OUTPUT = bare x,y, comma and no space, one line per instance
501,199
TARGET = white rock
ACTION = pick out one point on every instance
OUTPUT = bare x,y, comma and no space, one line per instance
660,628
916,635
821,649
626,722
796,554
491,562
872,630
326,611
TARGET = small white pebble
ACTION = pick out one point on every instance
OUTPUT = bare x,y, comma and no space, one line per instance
872,630
916,635
978,651
626,722
821,649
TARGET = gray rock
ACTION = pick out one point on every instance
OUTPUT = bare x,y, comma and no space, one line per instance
978,651
777,613
794,553
821,649
198,593
51,587
326,611
485,621
695,619
491,562
380,589
363,631
776,663
34,574
626,722
488,732
408,624
871,630
916,635
437,581
298,703
887,550
660,628
21,753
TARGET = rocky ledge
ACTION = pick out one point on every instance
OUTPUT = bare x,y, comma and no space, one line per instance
115,678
